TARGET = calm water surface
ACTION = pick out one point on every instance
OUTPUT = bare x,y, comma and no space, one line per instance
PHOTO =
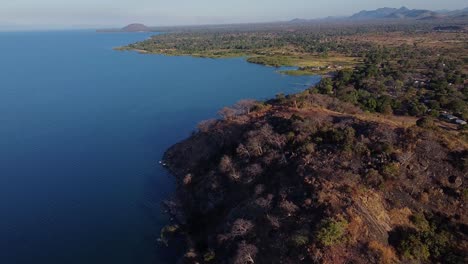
82,128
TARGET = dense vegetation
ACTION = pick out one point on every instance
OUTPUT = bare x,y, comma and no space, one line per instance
405,81
364,167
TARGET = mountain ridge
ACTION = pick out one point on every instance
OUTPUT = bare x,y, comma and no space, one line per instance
390,13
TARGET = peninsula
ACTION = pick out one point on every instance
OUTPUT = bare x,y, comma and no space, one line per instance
368,166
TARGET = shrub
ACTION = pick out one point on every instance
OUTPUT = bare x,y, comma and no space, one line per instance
420,221
465,194
167,231
209,256
431,239
331,231
288,207
425,122
386,255
413,248
308,148
300,239
391,170
373,178
360,148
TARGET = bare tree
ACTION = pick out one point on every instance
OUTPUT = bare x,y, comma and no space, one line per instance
255,145
245,253
245,106
289,207
206,125
226,165
242,151
235,175
274,221
241,227
240,108
264,203
227,113
254,170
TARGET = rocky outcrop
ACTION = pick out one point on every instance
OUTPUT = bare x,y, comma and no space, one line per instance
286,185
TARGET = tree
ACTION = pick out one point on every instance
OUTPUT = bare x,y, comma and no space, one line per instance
241,227
331,231
384,105
245,253
226,165
240,108
325,86
227,113
245,106
206,125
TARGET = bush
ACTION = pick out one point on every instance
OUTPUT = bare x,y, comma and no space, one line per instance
420,221
385,254
373,178
425,122
391,171
300,238
331,231
209,256
430,239
413,248
308,148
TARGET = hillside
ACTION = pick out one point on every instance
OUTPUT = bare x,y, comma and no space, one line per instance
136,28
375,14
393,13
308,179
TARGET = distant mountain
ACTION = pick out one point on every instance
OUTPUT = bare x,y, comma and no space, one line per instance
457,13
461,16
323,19
405,13
393,13
411,14
299,20
433,17
136,28
374,14
442,11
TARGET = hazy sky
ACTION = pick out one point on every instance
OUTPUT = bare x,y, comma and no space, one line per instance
79,13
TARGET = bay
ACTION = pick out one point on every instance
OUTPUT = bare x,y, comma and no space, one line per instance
82,128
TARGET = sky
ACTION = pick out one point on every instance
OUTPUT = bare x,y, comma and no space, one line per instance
110,13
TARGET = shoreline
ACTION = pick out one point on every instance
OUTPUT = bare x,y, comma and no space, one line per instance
298,176
298,72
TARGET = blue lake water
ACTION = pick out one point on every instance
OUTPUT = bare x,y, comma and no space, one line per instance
82,128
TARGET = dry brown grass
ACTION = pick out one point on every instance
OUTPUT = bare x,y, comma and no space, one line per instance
400,217
453,44
425,39
386,254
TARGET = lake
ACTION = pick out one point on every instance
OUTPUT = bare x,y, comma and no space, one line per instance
82,128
